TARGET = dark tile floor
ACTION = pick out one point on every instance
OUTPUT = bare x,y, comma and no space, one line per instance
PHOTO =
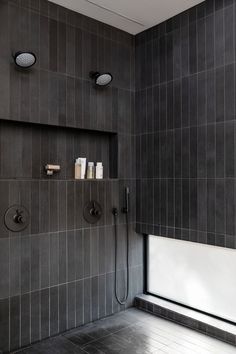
131,332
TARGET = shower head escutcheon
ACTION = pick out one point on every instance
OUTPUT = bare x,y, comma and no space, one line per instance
24,59
101,79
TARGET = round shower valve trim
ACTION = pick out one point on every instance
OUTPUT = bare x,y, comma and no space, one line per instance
16,218
92,212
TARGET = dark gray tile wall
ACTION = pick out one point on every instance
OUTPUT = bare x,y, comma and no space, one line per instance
185,110
59,272
30,147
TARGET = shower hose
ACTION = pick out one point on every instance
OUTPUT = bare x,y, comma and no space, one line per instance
115,213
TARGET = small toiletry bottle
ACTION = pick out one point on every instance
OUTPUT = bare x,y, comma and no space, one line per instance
82,161
77,169
99,170
90,170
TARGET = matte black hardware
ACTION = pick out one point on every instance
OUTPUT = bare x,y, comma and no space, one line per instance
125,210
19,217
92,212
16,218
115,211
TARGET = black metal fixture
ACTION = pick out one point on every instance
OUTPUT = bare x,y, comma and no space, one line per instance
25,59
92,212
124,210
101,79
16,218
50,169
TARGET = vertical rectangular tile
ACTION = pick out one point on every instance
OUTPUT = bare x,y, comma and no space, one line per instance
192,48
44,256
102,295
185,50
201,44
87,301
44,206
25,264
211,188
25,319
87,253
62,308
62,257
4,268
4,67
44,316
71,289
220,206
54,311
202,98
210,43
14,257
79,303
35,263
54,259
4,190
14,322
4,325
229,34
229,149
71,256
230,206
220,150
53,42
94,298
219,37
229,92
211,151
109,294
94,251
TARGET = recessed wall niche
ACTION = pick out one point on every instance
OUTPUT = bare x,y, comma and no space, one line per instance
26,148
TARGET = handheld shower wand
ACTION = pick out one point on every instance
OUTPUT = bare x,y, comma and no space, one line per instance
124,210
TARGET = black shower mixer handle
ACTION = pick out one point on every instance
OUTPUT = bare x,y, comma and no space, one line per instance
19,217
95,211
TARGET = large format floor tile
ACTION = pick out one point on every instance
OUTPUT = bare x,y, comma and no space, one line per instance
131,332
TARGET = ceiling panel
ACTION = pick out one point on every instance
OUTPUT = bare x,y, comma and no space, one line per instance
129,15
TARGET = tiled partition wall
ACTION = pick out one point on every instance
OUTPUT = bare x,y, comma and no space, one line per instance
59,272
185,103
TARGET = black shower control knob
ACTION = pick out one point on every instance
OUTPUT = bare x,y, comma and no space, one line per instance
95,212
19,217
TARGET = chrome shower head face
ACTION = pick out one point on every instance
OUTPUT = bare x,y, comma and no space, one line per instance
103,79
25,59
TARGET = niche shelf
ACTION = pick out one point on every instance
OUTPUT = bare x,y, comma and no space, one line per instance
27,147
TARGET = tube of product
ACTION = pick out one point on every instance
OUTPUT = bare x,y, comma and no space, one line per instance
82,161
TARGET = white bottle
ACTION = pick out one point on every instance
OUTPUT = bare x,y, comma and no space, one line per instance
99,170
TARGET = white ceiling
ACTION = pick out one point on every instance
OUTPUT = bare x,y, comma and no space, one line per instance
132,16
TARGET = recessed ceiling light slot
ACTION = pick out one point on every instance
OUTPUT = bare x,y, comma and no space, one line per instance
115,13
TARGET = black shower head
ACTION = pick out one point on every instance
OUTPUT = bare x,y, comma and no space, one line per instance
25,59
103,79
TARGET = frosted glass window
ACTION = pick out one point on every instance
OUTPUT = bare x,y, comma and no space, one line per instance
196,275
